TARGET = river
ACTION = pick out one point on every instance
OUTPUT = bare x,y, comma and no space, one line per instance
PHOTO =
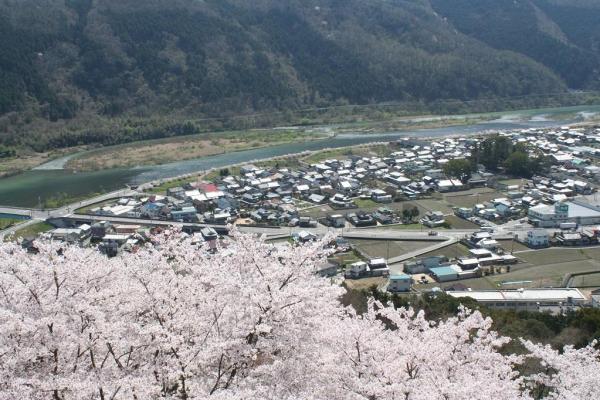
29,188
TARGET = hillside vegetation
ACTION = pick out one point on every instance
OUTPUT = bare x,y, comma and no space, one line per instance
106,71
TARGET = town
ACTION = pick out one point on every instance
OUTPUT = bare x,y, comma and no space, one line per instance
511,219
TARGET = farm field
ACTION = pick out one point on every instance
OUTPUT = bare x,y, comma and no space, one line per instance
553,256
511,182
453,251
547,275
380,248
320,211
426,205
515,246
459,223
8,222
590,280
469,200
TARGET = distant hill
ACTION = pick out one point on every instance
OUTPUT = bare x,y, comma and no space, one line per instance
76,60
563,35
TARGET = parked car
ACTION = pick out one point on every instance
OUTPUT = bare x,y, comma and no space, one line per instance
432,233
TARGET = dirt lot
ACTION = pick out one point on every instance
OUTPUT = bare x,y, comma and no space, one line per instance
320,211
507,245
476,283
453,251
459,223
379,248
511,182
364,283
434,205
469,200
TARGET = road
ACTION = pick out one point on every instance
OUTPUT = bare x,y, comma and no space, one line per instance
65,210
445,238
37,215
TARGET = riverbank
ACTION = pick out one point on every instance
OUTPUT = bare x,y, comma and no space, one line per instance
29,160
161,151
155,152
31,188
165,150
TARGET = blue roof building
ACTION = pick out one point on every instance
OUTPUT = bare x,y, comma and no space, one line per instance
445,274
399,283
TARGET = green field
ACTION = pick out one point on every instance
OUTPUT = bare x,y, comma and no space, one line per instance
388,248
366,203
553,256
511,182
539,268
87,209
162,188
8,222
547,275
453,251
345,153
320,211
31,231
345,258
426,205
469,200
589,280
515,246
459,223
340,154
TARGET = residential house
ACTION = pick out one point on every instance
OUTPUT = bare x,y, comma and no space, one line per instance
538,238
399,283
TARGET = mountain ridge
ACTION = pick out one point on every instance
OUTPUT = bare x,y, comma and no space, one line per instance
72,60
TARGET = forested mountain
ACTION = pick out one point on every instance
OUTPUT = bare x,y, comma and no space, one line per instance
564,35
64,60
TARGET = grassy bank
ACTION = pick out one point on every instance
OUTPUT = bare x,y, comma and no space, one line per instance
64,199
30,231
212,140
161,151
8,222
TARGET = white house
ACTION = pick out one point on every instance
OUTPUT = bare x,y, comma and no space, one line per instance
357,269
538,238
381,196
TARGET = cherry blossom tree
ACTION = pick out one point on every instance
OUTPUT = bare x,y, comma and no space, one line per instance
247,320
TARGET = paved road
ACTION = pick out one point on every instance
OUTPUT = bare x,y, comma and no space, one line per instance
12,229
37,215
445,238
416,253
350,233
65,210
